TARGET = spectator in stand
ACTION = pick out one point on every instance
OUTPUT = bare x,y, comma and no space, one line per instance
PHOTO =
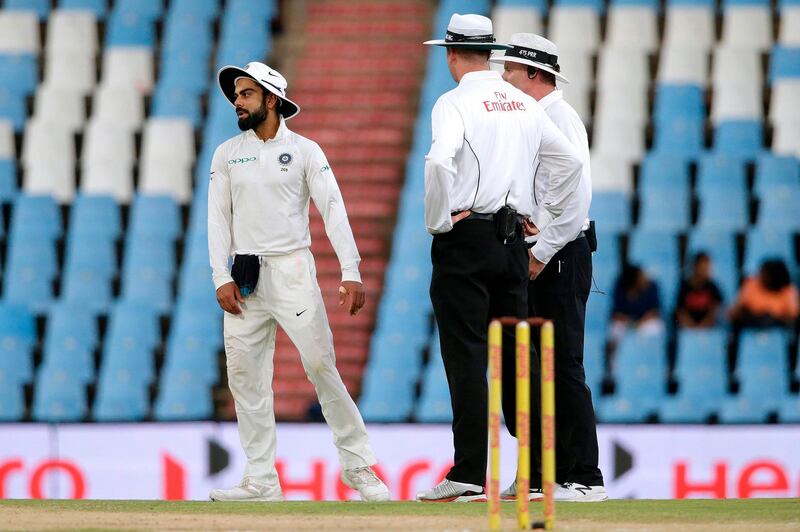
699,299
636,304
768,299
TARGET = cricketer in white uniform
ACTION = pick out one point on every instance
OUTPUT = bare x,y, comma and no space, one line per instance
258,199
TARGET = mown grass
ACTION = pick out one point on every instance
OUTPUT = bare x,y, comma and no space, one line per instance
631,511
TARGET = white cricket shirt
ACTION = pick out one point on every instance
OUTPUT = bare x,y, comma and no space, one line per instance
258,198
570,215
486,136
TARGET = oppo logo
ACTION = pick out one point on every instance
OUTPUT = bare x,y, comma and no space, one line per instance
242,161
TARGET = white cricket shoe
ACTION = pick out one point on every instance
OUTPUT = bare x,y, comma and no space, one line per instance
510,493
367,483
247,491
574,492
449,491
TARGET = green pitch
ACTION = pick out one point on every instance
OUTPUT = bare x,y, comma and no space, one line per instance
753,514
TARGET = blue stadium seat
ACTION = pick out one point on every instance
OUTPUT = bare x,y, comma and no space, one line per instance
701,373
58,398
434,403
778,209
598,310
17,338
13,108
665,209
154,254
179,401
539,5
120,401
96,217
12,401
612,209
763,243
261,10
8,182
36,217
742,138
150,9
386,401
662,172
608,249
789,410
128,28
194,285
88,285
678,101
29,274
721,171
70,341
204,10
177,102
762,368
155,216
597,5
187,71
235,52
723,208
594,358
784,63
147,286
737,409
133,325
90,254
679,136
776,171
98,7
605,275
187,35
648,246
41,7
640,376
20,73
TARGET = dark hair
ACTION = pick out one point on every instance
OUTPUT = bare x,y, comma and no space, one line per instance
546,77
774,274
628,277
699,257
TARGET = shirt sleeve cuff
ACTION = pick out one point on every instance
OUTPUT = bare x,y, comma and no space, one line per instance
221,279
350,275
542,252
541,218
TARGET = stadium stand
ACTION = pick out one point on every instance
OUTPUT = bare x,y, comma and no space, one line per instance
106,309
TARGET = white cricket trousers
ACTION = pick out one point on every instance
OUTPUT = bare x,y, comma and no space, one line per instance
287,295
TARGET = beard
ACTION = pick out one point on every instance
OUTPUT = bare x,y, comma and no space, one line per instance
254,119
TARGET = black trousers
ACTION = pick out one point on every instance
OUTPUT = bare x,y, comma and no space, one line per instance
560,294
475,278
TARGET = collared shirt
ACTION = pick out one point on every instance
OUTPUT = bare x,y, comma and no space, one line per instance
258,200
568,212
486,135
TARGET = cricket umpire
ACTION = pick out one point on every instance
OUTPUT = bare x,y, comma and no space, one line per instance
478,180
561,275
258,198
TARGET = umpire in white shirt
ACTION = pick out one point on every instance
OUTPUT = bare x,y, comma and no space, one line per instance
478,179
258,199
561,273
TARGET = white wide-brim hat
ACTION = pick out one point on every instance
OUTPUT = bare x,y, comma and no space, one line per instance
532,50
270,79
469,31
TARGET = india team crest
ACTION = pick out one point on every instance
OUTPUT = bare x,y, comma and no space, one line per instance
285,159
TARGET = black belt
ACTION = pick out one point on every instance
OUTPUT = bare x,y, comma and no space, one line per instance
479,216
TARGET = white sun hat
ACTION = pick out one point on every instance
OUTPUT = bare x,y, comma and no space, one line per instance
270,79
469,31
533,50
